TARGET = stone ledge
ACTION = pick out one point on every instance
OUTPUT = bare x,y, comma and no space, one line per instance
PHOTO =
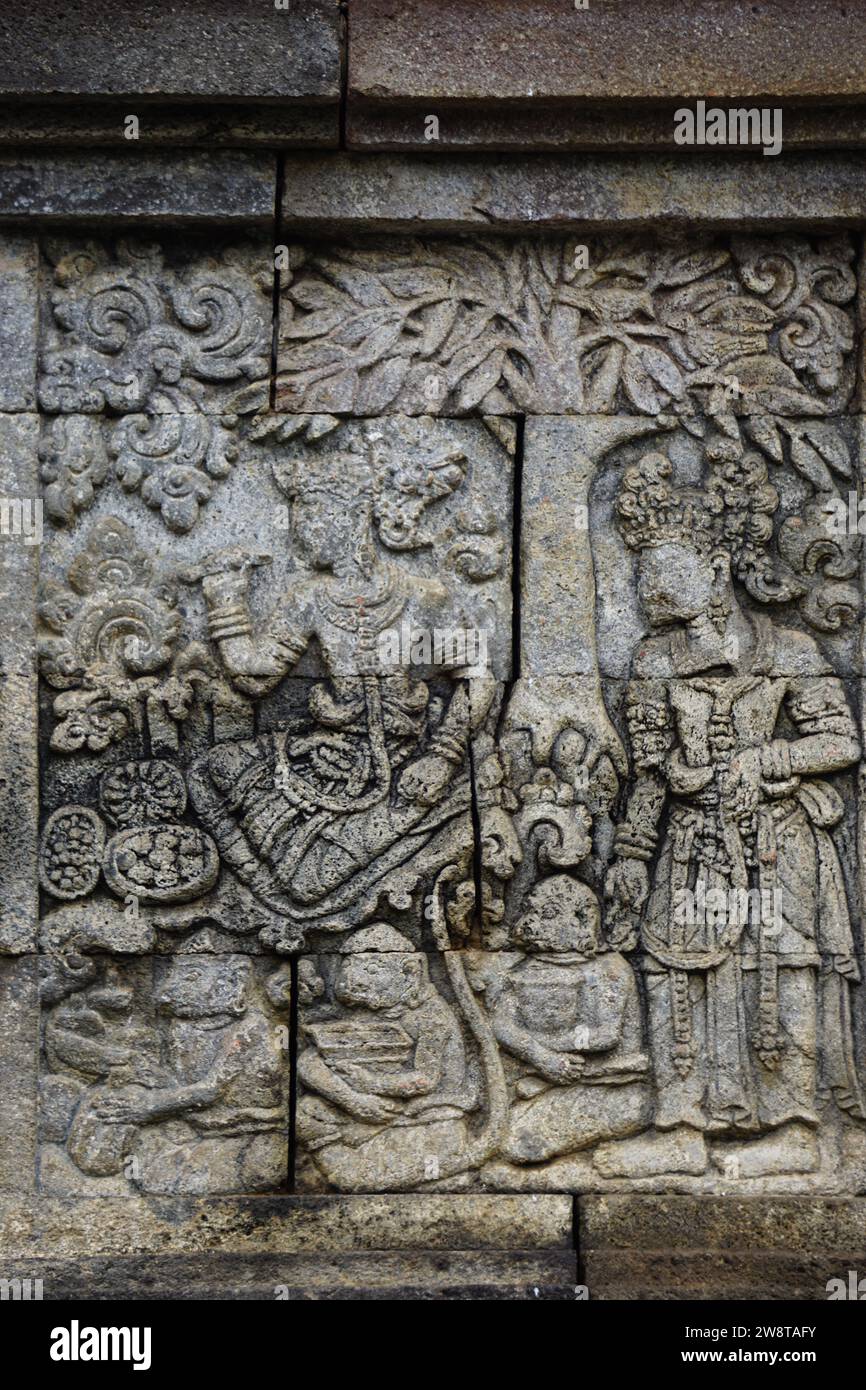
223,125
719,1248
546,127
412,193
405,1276
227,187
58,1229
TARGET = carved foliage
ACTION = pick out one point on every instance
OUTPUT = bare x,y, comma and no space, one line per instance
527,325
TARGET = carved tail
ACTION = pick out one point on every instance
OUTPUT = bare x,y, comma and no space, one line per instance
485,1144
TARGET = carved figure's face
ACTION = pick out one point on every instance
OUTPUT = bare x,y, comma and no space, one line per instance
320,527
560,915
377,981
194,988
675,583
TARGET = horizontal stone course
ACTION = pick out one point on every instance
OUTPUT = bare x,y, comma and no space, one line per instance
227,49
718,1248
279,1224
221,187
415,193
522,52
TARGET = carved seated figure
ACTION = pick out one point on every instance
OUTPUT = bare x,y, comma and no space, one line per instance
383,1071
568,1016
221,1122
317,823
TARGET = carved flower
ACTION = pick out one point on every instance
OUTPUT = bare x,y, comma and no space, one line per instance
88,719
177,493
74,464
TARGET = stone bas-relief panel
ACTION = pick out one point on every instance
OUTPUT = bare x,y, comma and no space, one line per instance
590,925
716,781
556,325
163,1076
269,745
433,1071
668,994
662,982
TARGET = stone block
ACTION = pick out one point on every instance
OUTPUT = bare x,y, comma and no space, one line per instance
520,53
19,1054
553,325
588,569
21,532
718,1248
19,304
403,194
229,51
176,329
59,1228
160,189
417,1276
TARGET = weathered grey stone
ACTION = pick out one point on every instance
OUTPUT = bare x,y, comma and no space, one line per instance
456,1068
710,326
386,603
387,1088
405,194
76,127
19,304
61,1227
454,1276
719,1248
493,128
19,1053
549,762
519,52
485,874
20,536
223,188
146,50
164,1077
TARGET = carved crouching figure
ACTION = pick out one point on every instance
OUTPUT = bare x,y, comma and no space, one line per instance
385,1073
221,1122
568,1014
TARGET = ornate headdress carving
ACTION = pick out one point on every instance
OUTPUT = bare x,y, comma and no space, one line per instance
731,512
397,492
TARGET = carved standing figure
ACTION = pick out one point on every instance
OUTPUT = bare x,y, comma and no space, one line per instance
743,921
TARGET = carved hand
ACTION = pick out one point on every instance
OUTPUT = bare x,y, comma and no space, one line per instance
131,1106
626,888
564,1068
424,781
374,1108
224,574
741,783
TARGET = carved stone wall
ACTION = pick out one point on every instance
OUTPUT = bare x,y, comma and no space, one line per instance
432,686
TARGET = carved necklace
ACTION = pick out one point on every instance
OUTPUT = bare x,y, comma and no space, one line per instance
352,612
